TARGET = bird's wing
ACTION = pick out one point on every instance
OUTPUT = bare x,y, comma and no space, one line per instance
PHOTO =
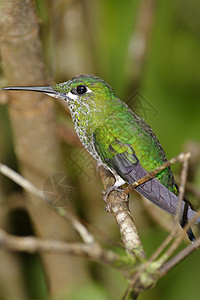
121,158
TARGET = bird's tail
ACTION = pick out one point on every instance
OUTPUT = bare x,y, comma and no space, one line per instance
157,193
184,220
184,217
168,201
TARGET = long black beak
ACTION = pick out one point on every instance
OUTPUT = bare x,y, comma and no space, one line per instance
43,89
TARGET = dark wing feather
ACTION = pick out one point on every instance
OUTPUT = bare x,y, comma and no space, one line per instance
153,190
127,165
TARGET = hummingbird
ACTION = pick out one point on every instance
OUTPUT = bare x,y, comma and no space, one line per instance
118,139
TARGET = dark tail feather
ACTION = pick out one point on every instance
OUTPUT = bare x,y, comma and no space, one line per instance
184,220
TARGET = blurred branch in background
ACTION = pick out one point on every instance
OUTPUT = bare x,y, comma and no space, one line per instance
9,260
91,251
34,129
154,268
193,171
111,39
194,166
139,44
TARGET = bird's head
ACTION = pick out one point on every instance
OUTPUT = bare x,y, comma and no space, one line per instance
82,90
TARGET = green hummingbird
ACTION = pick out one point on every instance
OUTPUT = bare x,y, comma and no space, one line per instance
118,139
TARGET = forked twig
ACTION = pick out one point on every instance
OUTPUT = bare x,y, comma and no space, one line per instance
118,205
86,236
32,245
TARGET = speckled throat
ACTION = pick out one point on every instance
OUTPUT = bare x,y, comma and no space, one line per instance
81,116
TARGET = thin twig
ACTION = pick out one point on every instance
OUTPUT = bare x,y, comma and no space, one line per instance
20,180
166,267
178,210
32,245
86,236
153,173
179,257
190,187
163,219
178,240
182,187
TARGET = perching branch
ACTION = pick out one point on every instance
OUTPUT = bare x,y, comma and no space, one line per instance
118,206
117,203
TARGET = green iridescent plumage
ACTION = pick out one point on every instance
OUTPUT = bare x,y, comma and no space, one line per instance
118,139
110,119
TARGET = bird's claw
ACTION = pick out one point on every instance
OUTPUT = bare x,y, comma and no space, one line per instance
108,191
109,204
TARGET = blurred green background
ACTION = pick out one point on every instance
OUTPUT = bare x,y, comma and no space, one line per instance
107,38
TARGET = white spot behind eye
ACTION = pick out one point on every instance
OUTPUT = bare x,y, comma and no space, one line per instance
89,90
72,96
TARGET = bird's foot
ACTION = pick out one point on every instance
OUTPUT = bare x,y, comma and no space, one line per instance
107,193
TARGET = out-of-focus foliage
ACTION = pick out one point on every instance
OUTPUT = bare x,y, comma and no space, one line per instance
95,37
171,82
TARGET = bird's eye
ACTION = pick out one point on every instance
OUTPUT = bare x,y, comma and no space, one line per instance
81,89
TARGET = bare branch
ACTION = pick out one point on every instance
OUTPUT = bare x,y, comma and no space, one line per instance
140,40
179,257
29,187
20,180
178,240
166,267
86,236
32,244
117,205
190,187
153,173
182,187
